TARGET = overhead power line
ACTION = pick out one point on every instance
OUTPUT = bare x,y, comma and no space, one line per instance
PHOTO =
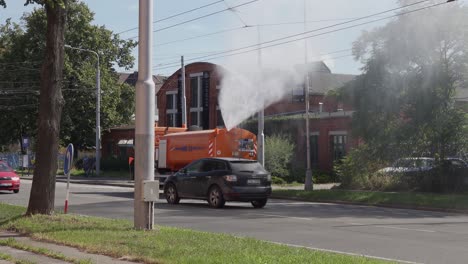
176,15
200,17
248,26
234,11
201,36
255,47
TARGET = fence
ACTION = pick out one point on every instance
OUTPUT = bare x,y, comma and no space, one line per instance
15,160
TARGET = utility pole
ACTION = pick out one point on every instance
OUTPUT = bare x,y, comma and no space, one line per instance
261,113
144,128
98,107
308,186
184,98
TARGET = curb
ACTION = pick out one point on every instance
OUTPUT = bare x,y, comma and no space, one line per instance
393,206
91,182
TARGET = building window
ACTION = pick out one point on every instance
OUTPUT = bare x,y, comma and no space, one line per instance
338,146
171,108
314,150
298,94
196,107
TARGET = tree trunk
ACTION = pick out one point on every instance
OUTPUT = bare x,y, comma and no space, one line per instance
42,196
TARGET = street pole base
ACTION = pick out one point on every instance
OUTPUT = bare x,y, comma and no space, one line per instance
309,185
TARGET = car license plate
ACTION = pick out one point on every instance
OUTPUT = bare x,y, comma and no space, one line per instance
5,184
253,181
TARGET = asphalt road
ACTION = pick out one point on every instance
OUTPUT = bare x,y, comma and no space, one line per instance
399,234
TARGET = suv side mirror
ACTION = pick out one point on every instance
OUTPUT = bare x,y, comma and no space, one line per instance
184,171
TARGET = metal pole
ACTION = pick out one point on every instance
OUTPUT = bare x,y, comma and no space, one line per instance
98,108
144,129
261,113
184,98
308,179
98,117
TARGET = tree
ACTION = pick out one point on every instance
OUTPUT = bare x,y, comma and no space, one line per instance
404,99
50,106
78,116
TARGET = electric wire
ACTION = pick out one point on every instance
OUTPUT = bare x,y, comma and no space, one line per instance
176,15
198,18
255,46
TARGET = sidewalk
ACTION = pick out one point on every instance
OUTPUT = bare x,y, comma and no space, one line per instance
69,252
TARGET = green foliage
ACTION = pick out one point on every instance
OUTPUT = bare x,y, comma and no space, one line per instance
278,153
357,169
26,43
114,164
404,100
277,180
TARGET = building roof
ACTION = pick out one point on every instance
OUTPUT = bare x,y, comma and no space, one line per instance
132,78
322,82
321,79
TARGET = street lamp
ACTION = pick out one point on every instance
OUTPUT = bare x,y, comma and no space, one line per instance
98,108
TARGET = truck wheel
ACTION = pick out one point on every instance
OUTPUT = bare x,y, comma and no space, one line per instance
215,197
16,191
172,197
259,203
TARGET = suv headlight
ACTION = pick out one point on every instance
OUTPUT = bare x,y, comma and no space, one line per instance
230,178
269,177
15,178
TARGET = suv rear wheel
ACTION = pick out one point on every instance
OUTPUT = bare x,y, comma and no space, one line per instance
215,197
259,203
172,197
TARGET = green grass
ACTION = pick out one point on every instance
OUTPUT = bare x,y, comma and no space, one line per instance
117,238
291,184
11,242
103,174
429,200
9,258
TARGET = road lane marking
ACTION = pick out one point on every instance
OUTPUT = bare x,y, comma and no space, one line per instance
392,227
349,253
407,229
285,216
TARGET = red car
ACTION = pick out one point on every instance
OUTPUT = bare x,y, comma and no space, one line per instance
9,180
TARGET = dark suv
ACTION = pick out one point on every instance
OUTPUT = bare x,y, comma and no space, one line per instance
218,180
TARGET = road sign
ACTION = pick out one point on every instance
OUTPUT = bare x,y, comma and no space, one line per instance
68,159
25,142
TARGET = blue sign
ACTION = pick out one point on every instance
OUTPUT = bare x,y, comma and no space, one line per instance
25,142
68,159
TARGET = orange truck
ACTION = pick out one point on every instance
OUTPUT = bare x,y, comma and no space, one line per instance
176,150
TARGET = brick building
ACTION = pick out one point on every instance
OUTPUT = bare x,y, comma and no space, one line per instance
118,141
330,121
202,87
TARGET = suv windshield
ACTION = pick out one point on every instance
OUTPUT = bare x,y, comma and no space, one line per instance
246,166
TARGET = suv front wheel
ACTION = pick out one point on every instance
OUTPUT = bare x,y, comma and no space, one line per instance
215,197
172,197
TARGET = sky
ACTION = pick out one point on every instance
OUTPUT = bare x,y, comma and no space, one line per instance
121,15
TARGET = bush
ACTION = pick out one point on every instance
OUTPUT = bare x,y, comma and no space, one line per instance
277,180
357,170
323,177
278,153
114,164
